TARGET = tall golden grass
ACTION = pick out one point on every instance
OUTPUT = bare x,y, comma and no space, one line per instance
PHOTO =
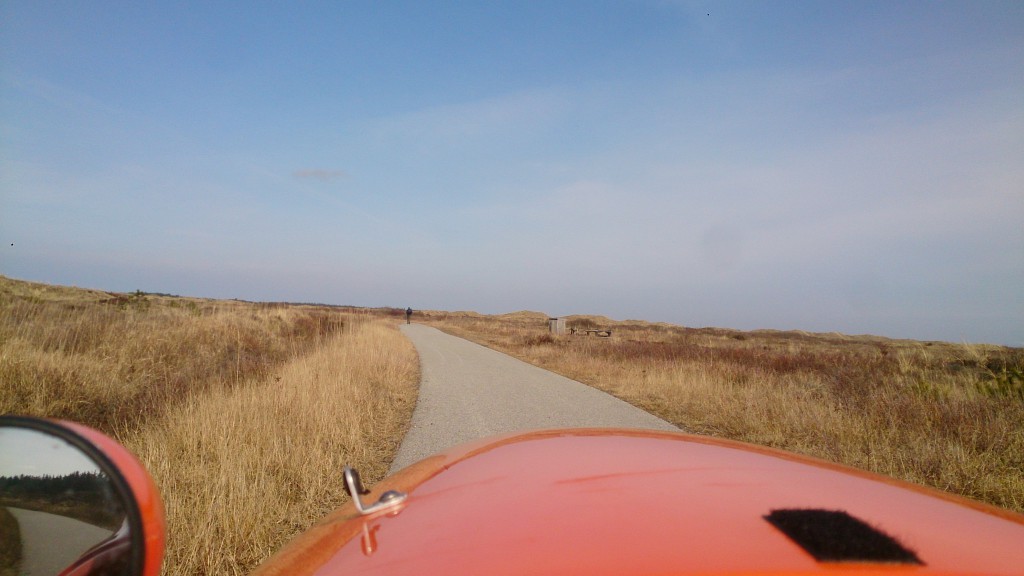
244,469
945,415
112,361
244,413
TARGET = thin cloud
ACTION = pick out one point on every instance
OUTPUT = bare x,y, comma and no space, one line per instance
504,117
319,174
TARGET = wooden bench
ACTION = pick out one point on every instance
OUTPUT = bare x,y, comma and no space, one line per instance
589,331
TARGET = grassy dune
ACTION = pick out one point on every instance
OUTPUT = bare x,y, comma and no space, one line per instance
244,413
945,415
113,361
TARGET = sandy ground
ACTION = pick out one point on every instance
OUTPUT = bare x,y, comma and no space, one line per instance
468,391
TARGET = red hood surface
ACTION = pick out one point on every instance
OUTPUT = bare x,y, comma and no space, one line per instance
618,502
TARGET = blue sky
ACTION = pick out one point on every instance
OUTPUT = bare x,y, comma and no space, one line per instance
854,167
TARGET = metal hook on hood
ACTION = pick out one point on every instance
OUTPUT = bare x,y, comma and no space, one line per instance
354,487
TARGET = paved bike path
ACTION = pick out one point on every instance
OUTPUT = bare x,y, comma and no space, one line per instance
50,543
468,391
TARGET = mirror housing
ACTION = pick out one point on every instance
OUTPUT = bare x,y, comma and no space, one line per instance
139,542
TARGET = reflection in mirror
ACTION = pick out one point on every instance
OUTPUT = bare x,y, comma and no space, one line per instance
60,514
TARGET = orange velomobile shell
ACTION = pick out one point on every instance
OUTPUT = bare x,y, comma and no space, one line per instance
144,491
617,502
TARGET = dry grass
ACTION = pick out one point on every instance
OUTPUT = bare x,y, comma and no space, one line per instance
946,415
244,469
113,361
244,413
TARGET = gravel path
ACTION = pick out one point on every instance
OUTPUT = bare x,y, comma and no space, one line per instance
468,391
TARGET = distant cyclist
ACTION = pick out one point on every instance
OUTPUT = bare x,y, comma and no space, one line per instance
408,315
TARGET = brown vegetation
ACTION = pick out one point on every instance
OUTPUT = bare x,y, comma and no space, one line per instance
935,413
244,413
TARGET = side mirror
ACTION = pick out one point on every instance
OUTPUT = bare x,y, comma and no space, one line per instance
73,502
